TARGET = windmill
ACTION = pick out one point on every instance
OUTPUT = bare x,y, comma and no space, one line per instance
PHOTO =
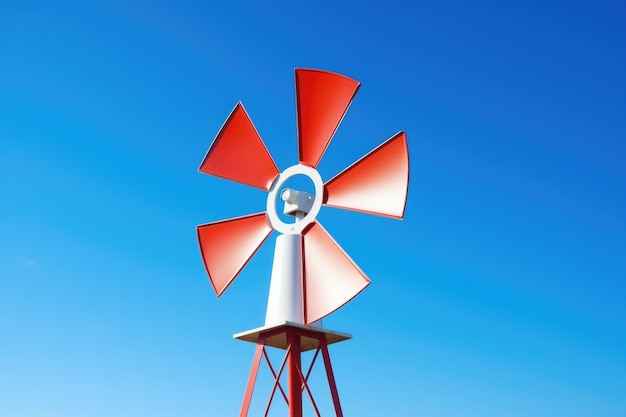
311,274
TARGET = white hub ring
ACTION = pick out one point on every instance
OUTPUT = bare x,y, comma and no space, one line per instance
283,177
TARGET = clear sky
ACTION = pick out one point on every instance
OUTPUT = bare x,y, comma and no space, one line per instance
502,293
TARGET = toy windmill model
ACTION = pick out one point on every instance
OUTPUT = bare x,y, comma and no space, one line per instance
311,275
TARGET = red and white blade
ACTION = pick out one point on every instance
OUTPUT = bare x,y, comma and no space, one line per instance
331,278
239,154
376,184
227,246
322,99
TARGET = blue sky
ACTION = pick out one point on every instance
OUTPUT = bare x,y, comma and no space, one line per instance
502,293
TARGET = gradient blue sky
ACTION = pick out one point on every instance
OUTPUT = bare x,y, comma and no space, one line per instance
502,293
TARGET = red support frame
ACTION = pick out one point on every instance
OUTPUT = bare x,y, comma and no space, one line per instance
297,381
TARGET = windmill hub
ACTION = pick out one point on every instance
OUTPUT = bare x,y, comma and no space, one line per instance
297,203
301,204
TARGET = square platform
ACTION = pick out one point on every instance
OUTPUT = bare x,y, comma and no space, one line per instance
278,335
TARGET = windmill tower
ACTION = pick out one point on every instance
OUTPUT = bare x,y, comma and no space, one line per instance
311,275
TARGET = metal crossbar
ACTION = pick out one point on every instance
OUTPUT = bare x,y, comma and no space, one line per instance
276,376
277,381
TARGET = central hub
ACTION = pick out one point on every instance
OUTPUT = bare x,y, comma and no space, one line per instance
297,203
304,206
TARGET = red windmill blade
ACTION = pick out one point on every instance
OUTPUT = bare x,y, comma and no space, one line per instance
322,99
311,276
228,245
239,154
377,184
324,261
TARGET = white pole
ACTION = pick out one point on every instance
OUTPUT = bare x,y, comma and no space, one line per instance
285,301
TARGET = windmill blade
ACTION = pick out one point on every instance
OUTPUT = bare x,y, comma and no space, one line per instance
239,154
376,184
331,278
322,99
227,246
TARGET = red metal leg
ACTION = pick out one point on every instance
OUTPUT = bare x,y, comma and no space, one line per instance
331,377
294,379
305,385
245,406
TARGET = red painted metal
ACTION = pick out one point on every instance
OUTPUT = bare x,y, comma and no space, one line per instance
254,371
308,373
322,99
239,154
331,378
297,382
276,378
331,278
305,385
376,184
294,381
227,246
